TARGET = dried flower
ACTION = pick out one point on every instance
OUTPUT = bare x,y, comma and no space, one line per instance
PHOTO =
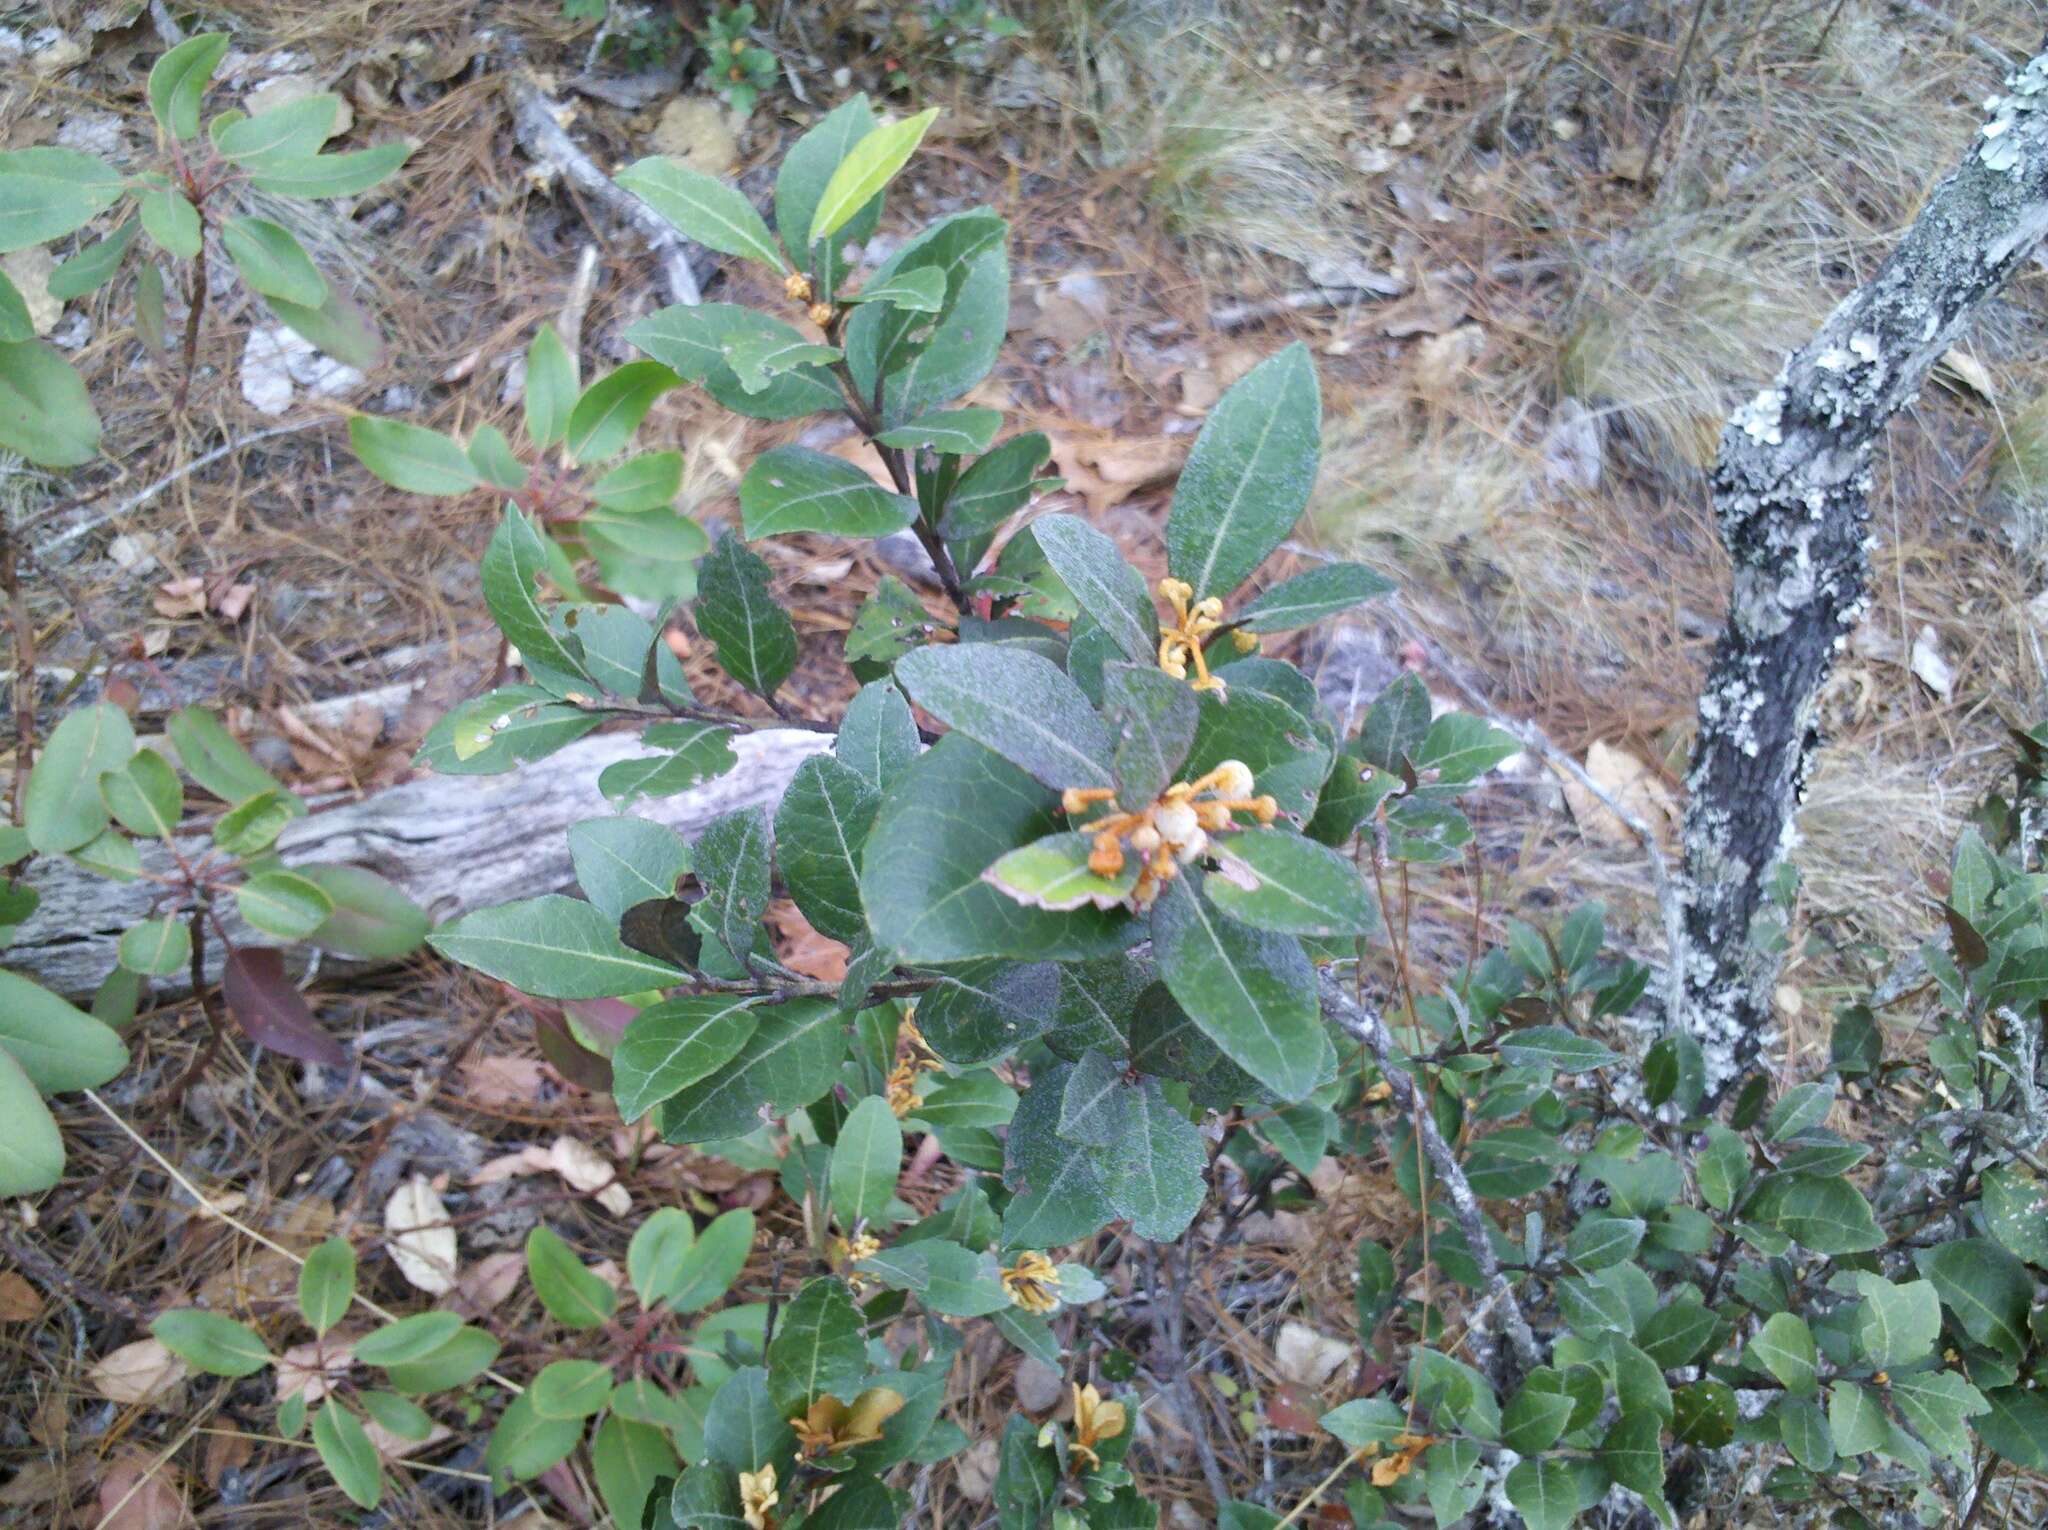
1030,1283
758,1498
1407,1448
903,1094
1180,642
821,315
1094,1422
829,1425
797,287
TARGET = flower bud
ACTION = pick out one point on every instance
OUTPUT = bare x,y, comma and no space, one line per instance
1193,845
1145,839
797,287
1107,858
1233,778
1176,821
821,315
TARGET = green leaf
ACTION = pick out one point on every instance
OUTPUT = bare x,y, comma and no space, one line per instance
922,290
46,192
703,208
1784,1346
817,1348
976,1098
369,918
1059,1196
791,1059
710,1265
1898,1323
406,1340
695,339
2016,1426
1366,1421
516,556
88,270
1633,1453
629,1460
552,947
604,418
951,814
1828,1216
1249,475
755,638
144,795
1856,1418
697,752
401,1416
1153,718
1052,873
1251,991
64,806
327,1284
1703,1413
524,1444
215,759
1555,1047
59,1047
211,1342
1016,703
15,324
877,736
345,1450
912,363
649,481
571,1388
801,182
273,262
318,177
45,414
706,1497
1536,1415
759,356
1801,1106
869,166
1108,589
1309,597
949,432
1936,1404
411,457
1600,1242
659,1244
171,221
282,136
1154,1165
551,387
1804,1429
621,862
337,326
156,947
995,486
792,489
890,622
572,1294
490,453
732,865
745,1429
111,854
1027,1477
820,827
179,79
2016,1211
468,1353
1546,1493
1459,748
1273,879
31,1151
284,904
1987,1289
1723,1167
673,1044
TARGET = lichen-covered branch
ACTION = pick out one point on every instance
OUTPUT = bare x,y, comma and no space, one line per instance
1790,490
1342,1009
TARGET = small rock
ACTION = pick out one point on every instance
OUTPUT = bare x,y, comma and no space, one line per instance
694,130
134,551
1302,1355
30,270
1039,1386
266,372
91,133
286,89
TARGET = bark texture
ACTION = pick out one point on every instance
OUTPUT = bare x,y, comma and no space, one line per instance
1790,491
451,843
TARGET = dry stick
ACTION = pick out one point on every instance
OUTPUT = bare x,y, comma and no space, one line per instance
1364,1022
1670,102
41,1265
536,120
208,1208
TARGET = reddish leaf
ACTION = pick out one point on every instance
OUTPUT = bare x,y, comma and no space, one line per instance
271,1011
605,1017
574,1061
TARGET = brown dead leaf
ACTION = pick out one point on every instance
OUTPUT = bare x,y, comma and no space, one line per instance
1435,307
1106,470
182,597
136,1372
583,1168
137,1494
313,1368
19,1301
486,1284
1630,782
500,1081
227,1449
422,1241
396,1447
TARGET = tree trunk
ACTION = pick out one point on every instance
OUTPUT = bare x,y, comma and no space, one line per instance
451,843
1790,487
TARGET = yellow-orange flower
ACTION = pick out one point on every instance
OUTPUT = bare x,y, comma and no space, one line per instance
1407,1448
1094,1422
831,1426
1031,1282
1180,643
903,1093
1170,832
758,1498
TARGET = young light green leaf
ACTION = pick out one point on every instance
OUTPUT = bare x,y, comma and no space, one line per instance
649,481
211,1342
179,79
865,1161
1273,879
658,1246
411,457
327,1284
346,1452
1016,703
156,947
1053,873
1784,1346
1251,991
801,182
552,947
604,418
572,1294
794,489
89,270
871,164
64,806
284,904
408,1339
283,136
551,387
703,208
1249,475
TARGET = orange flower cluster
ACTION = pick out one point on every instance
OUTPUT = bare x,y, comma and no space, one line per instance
913,1058
1172,831
1193,625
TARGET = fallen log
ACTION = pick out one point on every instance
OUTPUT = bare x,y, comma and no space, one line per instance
451,843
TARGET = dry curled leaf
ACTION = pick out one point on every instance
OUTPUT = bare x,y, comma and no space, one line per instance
1632,784
138,1493
19,1301
313,1369
583,1168
136,1372
422,1240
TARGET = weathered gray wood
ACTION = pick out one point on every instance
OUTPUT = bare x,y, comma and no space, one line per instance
1790,489
453,843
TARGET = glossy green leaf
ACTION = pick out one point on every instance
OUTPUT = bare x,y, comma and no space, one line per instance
703,208
552,947
696,752
1273,879
368,917
792,489
801,181
995,486
817,1349
1152,719
865,1160
673,1044
624,861
755,638
90,269
877,736
791,1059
820,828
1052,873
